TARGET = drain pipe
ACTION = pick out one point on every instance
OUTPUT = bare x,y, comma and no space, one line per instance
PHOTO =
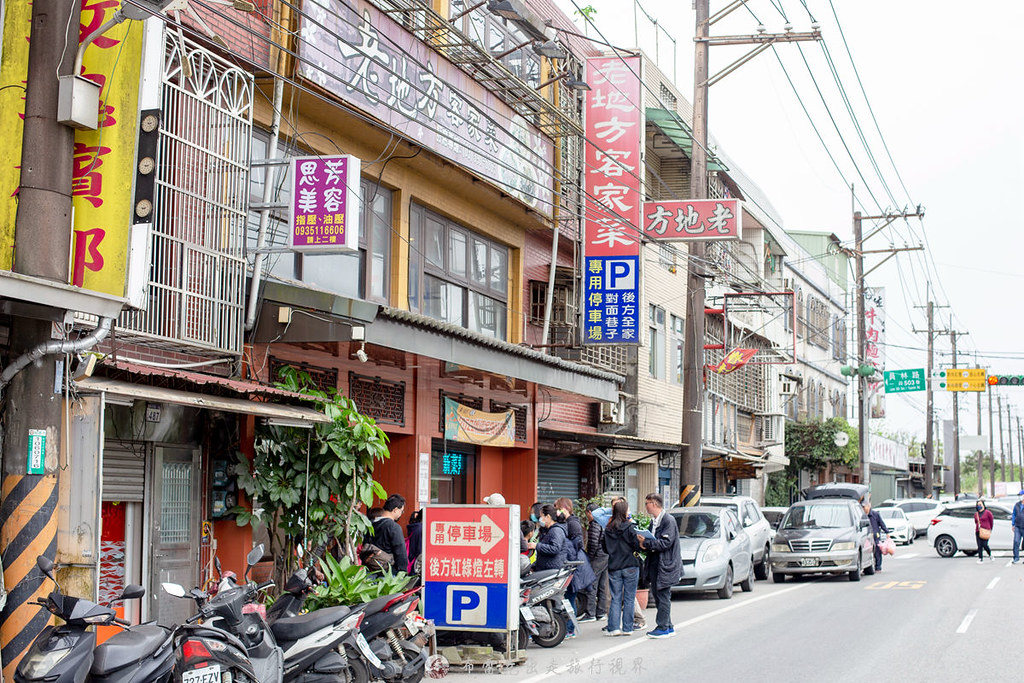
53,348
268,186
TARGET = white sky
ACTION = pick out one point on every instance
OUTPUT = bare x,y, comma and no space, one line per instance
944,80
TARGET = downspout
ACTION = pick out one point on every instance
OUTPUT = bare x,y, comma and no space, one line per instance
53,348
268,186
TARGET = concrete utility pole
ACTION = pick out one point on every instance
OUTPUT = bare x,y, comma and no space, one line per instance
929,439
43,237
956,421
1020,443
693,342
980,452
991,450
1002,440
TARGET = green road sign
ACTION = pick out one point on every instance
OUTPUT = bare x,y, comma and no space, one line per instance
898,381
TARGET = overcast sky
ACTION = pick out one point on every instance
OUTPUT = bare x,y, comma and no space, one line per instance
944,85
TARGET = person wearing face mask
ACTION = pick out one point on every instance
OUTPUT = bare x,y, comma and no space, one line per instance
551,548
877,529
1017,522
983,523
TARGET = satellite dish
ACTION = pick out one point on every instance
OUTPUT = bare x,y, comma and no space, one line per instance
841,439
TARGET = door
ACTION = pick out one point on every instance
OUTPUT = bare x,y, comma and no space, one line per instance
174,490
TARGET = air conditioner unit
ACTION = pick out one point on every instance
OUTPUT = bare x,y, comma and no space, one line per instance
609,413
787,387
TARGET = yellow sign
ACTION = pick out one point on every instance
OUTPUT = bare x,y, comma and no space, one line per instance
965,379
104,162
13,75
468,425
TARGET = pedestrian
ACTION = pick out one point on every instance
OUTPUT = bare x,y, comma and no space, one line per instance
595,598
663,563
551,546
414,538
622,548
1017,522
983,523
574,532
498,499
387,535
877,529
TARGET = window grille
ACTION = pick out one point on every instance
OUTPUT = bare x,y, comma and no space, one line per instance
381,399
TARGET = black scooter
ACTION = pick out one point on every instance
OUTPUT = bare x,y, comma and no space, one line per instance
389,638
69,654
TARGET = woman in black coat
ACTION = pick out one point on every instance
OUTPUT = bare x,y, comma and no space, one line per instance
551,548
622,546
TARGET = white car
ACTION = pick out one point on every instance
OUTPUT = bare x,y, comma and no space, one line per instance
919,511
900,528
754,523
953,530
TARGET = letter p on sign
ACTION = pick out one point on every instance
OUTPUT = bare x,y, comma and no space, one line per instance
620,274
467,605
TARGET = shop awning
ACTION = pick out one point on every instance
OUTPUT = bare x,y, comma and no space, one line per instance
148,392
434,338
680,133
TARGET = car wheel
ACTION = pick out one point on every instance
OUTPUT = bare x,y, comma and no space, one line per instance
870,569
764,568
945,546
725,592
855,573
778,577
747,584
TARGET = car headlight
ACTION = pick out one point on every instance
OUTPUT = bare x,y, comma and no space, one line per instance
39,663
712,553
844,545
780,547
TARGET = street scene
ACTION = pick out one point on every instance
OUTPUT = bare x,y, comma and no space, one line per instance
383,340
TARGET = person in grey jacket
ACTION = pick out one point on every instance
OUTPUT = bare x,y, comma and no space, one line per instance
596,597
663,562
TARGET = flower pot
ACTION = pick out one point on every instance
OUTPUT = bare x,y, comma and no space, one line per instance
642,594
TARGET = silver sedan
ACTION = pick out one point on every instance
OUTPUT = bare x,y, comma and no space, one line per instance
715,551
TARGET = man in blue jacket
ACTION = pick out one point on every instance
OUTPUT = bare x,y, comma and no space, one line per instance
1017,522
663,562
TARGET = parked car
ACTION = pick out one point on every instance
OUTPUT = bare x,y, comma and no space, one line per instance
774,515
715,550
824,535
900,528
919,511
836,489
952,530
759,528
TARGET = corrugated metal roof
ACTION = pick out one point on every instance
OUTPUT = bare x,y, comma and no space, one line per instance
244,387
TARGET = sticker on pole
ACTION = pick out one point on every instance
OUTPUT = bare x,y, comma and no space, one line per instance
471,566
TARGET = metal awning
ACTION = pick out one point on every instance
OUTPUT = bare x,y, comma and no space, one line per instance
188,398
680,133
39,291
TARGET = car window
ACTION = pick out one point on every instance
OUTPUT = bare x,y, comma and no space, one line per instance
910,507
822,516
962,512
999,513
698,524
735,507
753,516
731,523
891,513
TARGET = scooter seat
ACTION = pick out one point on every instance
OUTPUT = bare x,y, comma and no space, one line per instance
292,628
537,577
128,647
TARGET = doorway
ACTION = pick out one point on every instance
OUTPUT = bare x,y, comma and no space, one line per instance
175,524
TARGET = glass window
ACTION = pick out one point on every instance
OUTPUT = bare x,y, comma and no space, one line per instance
486,315
478,274
499,269
457,252
433,247
676,349
442,300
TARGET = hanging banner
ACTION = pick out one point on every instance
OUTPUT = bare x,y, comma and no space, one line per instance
104,159
468,425
613,201
324,204
693,219
734,360
874,347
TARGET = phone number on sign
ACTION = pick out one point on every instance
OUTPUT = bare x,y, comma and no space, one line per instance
319,230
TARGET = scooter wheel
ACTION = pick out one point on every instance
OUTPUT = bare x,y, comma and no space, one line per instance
556,633
412,653
357,671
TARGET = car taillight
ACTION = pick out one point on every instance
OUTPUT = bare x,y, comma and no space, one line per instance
195,649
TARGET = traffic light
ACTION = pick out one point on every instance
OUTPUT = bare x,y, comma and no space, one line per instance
1006,380
864,370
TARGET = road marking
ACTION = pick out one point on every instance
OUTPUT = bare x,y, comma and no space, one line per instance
907,556
634,641
896,585
992,583
966,623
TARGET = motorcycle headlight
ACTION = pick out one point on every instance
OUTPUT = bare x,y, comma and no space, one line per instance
713,553
40,664
780,547
844,545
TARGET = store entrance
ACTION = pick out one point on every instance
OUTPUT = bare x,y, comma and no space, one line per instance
452,472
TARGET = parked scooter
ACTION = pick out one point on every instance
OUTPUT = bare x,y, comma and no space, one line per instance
545,612
390,638
222,643
68,653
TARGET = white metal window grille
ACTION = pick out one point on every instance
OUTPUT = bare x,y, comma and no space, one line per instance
176,502
197,274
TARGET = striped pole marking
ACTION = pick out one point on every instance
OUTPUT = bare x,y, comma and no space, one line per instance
28,510
689,496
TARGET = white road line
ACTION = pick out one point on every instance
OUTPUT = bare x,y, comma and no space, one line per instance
966,623
635,640
992,583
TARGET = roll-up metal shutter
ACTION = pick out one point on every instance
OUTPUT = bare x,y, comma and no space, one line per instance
707,484
557,478
124,471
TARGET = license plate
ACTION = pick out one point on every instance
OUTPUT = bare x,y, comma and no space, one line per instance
209,674
808,562
412,623
526,613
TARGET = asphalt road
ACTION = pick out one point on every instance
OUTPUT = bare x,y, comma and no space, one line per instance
923,618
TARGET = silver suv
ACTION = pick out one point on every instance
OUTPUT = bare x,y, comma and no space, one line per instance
824,535
754,523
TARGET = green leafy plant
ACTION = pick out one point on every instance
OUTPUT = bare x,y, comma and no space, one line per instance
346,583
642,520
811,446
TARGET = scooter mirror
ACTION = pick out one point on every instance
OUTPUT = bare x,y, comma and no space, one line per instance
254,556
45,565
216,564
173,589
132,591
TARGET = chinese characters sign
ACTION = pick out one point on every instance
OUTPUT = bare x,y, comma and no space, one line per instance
874,345
611,278
354,51
17,18
693,219
888,453
325,204
469,425
471,566
899,381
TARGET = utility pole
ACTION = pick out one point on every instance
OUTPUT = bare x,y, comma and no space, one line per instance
929,434
991,450
1020,443
956,420
693,342
981,452
1002,440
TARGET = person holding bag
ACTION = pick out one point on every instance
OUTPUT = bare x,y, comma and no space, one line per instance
877,529
623,549
983,523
